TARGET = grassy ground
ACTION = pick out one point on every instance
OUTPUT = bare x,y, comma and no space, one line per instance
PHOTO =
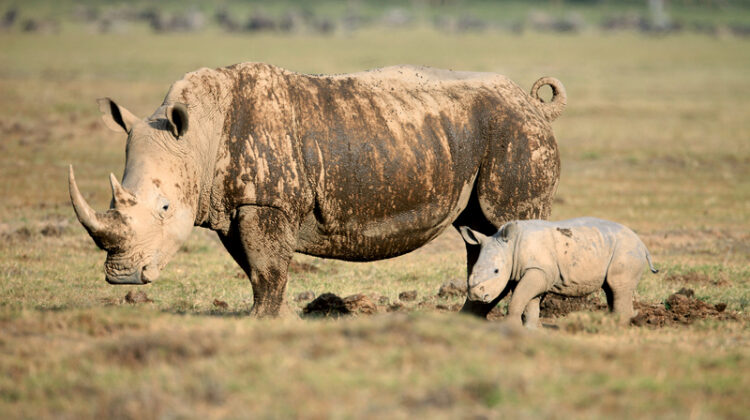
655,136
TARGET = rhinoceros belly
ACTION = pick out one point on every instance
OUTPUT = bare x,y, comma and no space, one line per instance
583,255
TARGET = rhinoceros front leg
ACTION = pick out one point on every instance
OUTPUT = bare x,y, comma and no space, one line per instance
262,240
526,298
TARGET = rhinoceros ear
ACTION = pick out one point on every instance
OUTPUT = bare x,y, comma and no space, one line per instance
177,116
472,237
508,231
115,117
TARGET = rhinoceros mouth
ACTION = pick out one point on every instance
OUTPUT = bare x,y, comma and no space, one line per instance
135,277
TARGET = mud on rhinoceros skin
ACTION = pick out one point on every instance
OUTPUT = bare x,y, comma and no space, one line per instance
359,166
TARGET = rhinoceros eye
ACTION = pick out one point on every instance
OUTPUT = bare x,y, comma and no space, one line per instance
163,205
497,270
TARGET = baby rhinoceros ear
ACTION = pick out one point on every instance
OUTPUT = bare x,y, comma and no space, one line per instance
471,237
508,231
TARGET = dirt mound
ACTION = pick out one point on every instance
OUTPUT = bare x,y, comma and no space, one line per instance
680,308
555,306
137,296
360,304
330,305
305,296
408,296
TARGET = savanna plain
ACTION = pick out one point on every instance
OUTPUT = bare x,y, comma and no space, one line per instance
656,136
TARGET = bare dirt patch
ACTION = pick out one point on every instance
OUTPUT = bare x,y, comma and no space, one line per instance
453,288
681,308
554,306
137,296
333,306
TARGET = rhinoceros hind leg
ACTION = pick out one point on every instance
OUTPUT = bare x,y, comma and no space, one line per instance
262,241
620,289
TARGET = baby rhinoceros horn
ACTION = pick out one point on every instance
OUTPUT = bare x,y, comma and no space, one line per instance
108,229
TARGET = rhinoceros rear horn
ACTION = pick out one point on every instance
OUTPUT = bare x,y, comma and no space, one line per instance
177,115
120,196
105,228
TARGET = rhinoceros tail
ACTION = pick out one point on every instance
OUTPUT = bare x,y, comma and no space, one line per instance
650,264
556,105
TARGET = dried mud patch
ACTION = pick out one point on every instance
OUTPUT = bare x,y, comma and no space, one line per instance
555,306
329,305
680,308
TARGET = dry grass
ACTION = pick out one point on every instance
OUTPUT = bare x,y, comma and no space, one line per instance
655,136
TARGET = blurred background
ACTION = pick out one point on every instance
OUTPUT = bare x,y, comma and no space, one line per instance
710,17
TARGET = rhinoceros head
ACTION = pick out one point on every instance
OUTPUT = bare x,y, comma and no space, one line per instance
492,271
153,210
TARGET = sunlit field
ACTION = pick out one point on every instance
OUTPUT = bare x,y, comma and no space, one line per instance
656,136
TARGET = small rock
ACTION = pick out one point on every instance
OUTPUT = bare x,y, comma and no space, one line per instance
453,288
408,296
686,292
137,297
396,307
383,300
220,304
305,296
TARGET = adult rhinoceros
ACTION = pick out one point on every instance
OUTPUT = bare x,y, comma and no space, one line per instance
357,167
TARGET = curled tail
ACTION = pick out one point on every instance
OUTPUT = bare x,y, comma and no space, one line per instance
556,105
650,264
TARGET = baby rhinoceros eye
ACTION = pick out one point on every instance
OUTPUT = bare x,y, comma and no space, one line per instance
497,270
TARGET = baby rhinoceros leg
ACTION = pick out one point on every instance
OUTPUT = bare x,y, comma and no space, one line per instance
531,313
531,285
622,278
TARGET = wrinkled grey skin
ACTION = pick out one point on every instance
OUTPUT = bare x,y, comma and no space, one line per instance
572,258
358,167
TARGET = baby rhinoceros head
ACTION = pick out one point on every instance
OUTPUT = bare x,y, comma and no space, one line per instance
492,271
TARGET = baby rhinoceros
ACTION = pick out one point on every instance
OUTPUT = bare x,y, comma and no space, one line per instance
572,258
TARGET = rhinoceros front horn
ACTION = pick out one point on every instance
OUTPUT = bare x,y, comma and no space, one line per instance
86,215
101,226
